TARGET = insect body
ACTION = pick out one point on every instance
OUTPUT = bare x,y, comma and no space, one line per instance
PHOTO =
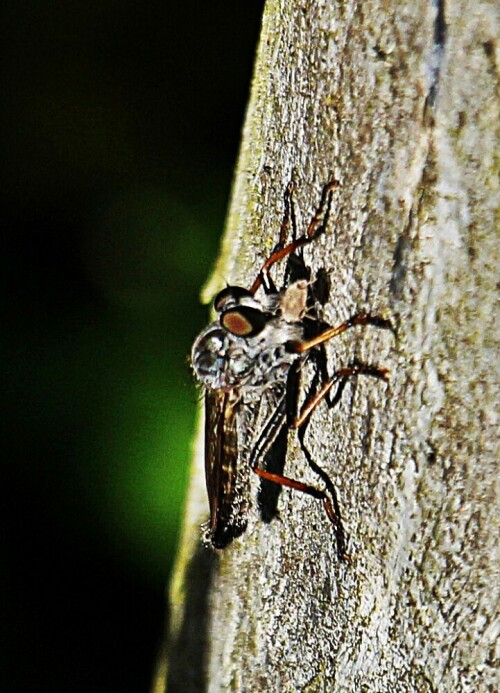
249,362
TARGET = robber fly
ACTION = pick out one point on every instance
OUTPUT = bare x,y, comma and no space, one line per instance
249,361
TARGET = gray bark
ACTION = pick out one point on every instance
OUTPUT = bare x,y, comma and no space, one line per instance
399,100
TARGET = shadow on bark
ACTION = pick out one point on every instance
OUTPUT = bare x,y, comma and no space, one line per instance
189,649
269,492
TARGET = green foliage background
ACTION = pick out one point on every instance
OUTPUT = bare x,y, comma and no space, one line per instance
121,123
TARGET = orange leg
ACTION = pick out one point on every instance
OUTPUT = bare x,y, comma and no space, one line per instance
327,496
315,400
323,209
288,217
360,319
328,504
330,500
316,226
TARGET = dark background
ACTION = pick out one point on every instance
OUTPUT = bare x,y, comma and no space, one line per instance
120,125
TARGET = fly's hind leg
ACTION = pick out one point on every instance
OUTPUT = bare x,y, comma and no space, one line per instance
266,438
300,422
285,412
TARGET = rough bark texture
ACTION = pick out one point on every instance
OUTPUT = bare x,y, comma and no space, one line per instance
399,101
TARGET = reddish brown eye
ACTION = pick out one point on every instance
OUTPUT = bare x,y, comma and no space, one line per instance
237,324
244,322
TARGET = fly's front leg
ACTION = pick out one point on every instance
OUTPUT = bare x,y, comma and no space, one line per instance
316,226
289,219
264,277
318,223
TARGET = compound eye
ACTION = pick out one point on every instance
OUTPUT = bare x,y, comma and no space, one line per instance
245,321
231,294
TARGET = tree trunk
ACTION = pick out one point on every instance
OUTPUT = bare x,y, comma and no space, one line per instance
398,101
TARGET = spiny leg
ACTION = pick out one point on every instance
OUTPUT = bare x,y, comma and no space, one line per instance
340,377
285,411
266,438
330,498
316,347
287,221
330,332
288,217
316,227
318,222
309,489
316,396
